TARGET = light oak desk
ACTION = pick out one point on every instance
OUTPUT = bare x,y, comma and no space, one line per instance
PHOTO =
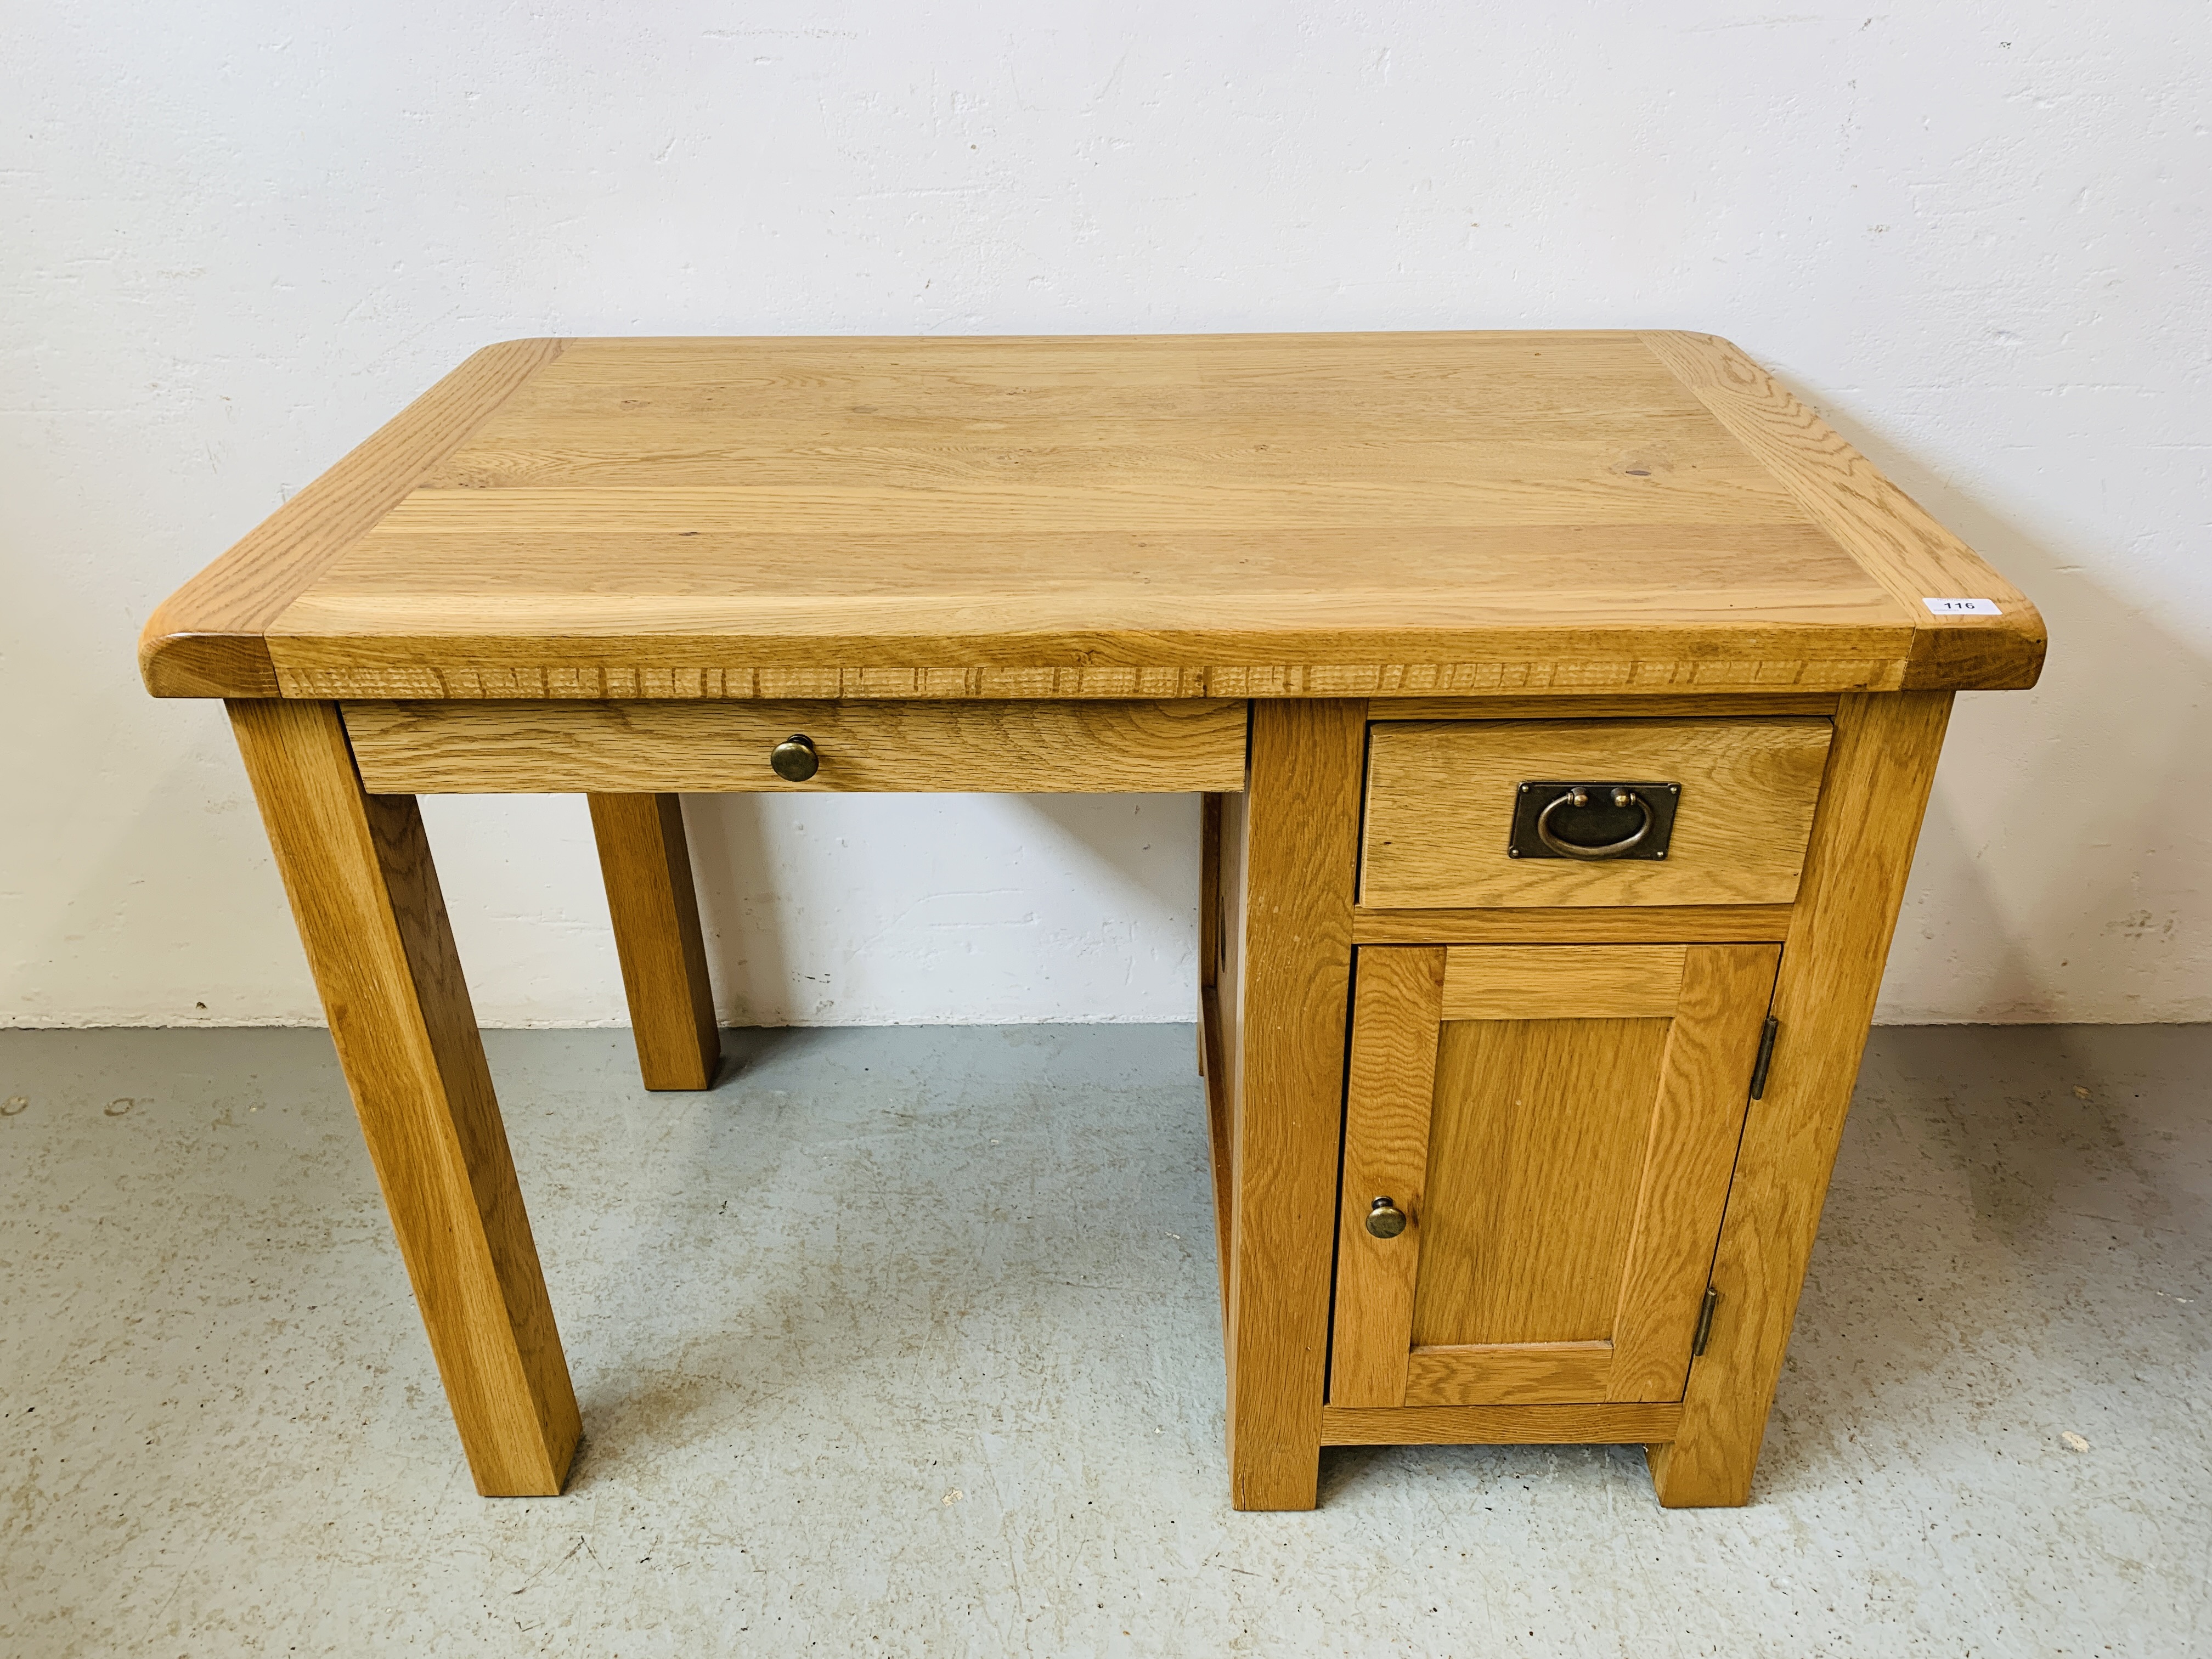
1565,707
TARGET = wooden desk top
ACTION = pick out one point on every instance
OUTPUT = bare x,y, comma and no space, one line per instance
1233,515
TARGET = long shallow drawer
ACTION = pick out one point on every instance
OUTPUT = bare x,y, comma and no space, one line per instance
1441,797
613,748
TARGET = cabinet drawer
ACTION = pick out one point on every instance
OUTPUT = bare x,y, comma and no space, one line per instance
1441,796
712,748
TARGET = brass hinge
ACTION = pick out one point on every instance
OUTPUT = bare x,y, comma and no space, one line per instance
1704,1323
1766,1036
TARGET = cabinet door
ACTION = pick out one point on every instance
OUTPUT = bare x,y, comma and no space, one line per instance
1557,1125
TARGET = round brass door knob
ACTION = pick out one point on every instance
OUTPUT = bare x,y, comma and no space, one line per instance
794,760
1385,1219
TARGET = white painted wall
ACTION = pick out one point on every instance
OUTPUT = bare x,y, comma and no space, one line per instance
234,238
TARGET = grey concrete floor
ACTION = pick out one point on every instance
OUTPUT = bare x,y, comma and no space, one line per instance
906,1341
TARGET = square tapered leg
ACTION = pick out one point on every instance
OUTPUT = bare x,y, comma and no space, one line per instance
363,890
1294,838
647,867
1881,766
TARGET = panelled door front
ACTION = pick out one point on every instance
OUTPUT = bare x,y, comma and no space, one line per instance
1537,1146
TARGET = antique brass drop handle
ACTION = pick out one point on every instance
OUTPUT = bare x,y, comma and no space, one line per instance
794,760
1611,850
1385,1219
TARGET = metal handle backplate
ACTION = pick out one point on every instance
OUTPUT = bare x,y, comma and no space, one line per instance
1592,822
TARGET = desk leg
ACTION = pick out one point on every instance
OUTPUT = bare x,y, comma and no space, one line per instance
1297,844
647,867
363,890
1880,767
1209,913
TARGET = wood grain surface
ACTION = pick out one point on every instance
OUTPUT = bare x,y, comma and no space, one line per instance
1534,1156
1271,516
207,640
1397,1014
365,894
1497,1426
1563,981
1219,1148
1627,925
1224,1051
1734,705
646,862
1563,1170
1440,794
1213,928
1889,534
1209,910
1058,748
1878,773
1298,826
1518,1373
1704,1083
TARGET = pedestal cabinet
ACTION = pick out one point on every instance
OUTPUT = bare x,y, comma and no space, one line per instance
1554,1007
1539,1137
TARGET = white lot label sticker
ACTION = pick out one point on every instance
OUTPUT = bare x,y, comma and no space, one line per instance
1963,607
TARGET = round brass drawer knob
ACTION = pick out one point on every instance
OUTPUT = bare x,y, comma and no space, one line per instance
1385,1219
794,760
